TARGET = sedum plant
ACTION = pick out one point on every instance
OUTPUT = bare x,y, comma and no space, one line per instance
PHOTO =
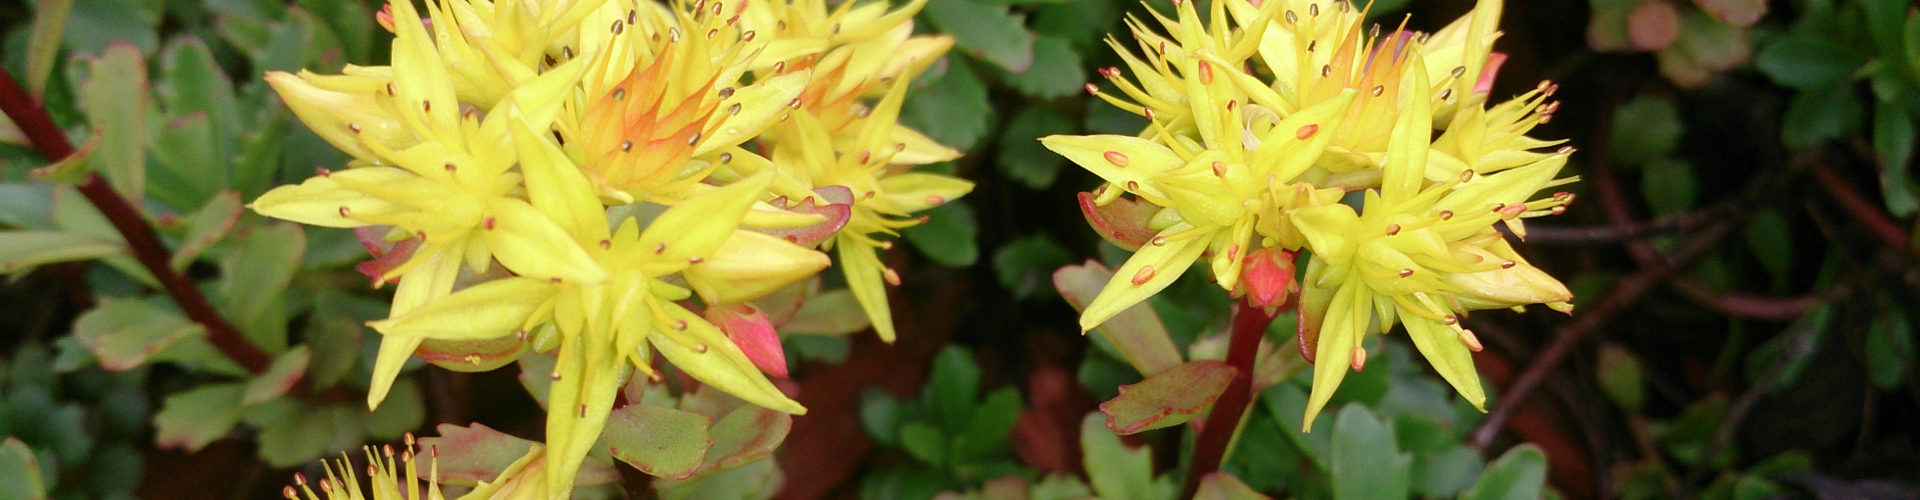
1287,130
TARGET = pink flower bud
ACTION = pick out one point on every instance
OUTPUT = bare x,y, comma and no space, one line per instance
750,329
1267,277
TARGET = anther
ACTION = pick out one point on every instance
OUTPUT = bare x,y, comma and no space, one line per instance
1446,94
1141,277
726,158
1306,131
1446,214
619,94
619,26
451,168
695,260
726,92
626,146
1405,272
1379,89
1393,229
344,212
695,139
733,109
1117,158
352,127
1291,19
1159,241
660,248
606,244
1459,71
747,36
1093,89
488,223
1508,264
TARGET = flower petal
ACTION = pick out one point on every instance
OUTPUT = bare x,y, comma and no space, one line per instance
751,264
863,271
1125,161
698,226
1149,270
485,311
1346,322
530,244
1448,355
323,201
915,191
721,364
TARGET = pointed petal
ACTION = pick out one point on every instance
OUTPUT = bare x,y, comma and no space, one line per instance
863,271
1407,146
1149,270
489,310
721,364
760,104
1444,350
322,201
916,191
1346,321
531,245
1125,161
698,226
751,264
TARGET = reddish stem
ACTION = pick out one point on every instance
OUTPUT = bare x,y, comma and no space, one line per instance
47,138
1243,346
1877,222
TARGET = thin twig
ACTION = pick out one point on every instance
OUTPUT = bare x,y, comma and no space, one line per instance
1877,222
51,142
1243,347
1540,234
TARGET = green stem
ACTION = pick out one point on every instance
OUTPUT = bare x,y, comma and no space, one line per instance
32,119
1243,347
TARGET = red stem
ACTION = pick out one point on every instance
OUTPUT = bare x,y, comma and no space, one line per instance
32,119
1249,326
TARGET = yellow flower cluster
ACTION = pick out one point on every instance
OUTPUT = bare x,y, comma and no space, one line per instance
568,174
1265,115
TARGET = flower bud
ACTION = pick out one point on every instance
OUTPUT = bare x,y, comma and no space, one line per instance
1267,278
750,329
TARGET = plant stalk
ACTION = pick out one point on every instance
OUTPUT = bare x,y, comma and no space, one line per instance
1216,435
31,117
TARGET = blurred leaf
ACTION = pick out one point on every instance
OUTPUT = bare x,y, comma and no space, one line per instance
1167,398
22,468
984,30
831,313
1780,360
1287,404
188,167
1023,266
1893,139
1366,462
1807,62
660,441
952,387
1820,114
206,227
114,95
1137,333
1021,156
26,205
952,109
1056,70
348,21
293,433
1620,377
253,282
1770,238
1890,351
1082,23
190,420
1734,12
881,415
1669,186
21,250
95,24
280,377
1224,486
1644,129
75,168
1448,473
949,237
759,479
1520,474
474,453
986,433
123,334
1687,436
1116,471
746,434
924,441
336,342
49,21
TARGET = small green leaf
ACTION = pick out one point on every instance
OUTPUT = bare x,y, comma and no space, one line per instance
280,377
1806,62
660,441
114,95
192,419
1893,139
95,25
206,227
402,411
831,313
22,468
254,278
1114,470
1820,114
21,250
1021,156
984,30
925,442
1771,241
1520,474
1167,398
1669,186
1137,333
1890,350
1056,70
1223,486
746,434
881,415
1644,129
952,109
123,334
188,167
49,20
952,388
1366,462
1620,377
986,433
1447,473
949,237
474,453
1024,265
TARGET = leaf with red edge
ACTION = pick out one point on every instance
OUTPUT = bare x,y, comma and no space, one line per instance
468,455
387,255
279,378
1122,222
1167,398
659,441
750,329
472,355
1224,486
1136,332
746,434
835,203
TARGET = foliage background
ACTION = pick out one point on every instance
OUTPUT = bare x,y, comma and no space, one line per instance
1743,259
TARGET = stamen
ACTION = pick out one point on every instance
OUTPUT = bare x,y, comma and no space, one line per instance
1145,274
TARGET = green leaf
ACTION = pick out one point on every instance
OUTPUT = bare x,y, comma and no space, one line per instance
293,433
952,388
1807,62
952,109
1447,473
49,20
192,81
1115,471
1893,139
403,410
474,453
123,334
192,419
1137,333
1669,186
206,227
280,377
1770,239
96,24
985,31
746,434
1820,114
253,282
348,21
336,343
21,250
188,167
660,441
1021,157
26,205
1056,70
114,95
1024,266
1366,462
22,468
1520,474
1620,377
1082,23
986,433
1644,129
924,441
1167,398
1890,350
949,237
881,416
